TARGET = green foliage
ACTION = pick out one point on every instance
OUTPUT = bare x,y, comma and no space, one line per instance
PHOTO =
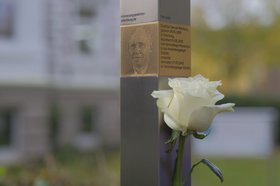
67,167
241,171
3,172
172,140
241,55
211,166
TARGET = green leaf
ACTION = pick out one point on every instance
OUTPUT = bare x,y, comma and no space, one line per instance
211,166
201,135
214,169
174,135
172,140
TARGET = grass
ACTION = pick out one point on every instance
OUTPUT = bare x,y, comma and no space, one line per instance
69,167
241,172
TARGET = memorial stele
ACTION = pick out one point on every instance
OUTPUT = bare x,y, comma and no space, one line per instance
155,38
155,45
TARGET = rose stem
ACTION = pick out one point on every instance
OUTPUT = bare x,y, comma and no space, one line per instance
177,181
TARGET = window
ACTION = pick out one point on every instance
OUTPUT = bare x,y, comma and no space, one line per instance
6,18
86,28
89,115
54,121
6,126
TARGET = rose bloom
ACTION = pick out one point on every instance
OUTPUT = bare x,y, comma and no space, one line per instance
190,104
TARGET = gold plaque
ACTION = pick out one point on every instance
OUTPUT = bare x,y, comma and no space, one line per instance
155,49
175,50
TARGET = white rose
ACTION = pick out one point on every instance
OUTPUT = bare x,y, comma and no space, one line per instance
190,105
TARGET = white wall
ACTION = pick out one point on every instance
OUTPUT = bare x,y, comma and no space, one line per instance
44,45
247,132
23,56
101,68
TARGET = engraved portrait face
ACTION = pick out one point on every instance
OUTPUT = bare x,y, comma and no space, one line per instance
139,51
139,47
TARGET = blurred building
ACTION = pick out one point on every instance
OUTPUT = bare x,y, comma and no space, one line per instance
59,68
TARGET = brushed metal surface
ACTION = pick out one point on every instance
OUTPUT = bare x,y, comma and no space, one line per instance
139,132
144,161
135,11
175,11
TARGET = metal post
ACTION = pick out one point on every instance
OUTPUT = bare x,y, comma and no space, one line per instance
155,45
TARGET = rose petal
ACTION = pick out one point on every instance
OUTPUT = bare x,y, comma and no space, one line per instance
201,119
175,106
171,122
191,103
164,98
217,97
227,107
200,77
